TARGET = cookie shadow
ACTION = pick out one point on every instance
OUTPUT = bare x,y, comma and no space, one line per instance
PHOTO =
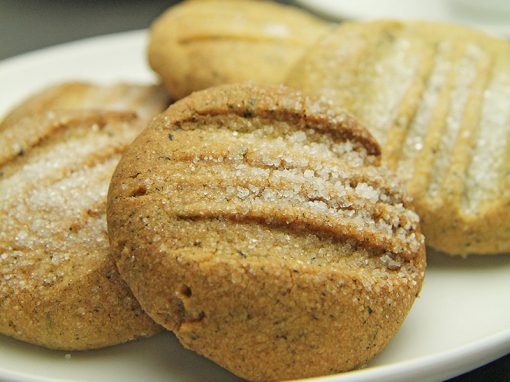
442,261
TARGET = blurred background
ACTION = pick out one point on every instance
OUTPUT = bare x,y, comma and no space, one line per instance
27,25
33,24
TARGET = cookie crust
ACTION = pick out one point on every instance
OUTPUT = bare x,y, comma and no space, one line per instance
259,228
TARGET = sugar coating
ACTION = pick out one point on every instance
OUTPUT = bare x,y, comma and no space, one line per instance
291,169
260,230
249,168
53,236
393,75
487,170
251,187
465,74
38,235
435,96
415,140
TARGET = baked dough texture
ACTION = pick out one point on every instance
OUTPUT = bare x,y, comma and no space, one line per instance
198,44
258,227
436,97
59,287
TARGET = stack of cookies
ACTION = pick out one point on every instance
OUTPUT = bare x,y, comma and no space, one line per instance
261,223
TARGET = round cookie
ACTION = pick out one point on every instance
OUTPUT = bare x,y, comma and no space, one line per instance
259,228
198,44
436,97
59,287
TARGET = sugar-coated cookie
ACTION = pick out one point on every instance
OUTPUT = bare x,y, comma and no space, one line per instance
259,228
59,288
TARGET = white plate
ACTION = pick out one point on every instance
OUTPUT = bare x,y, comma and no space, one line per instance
461,321
438,10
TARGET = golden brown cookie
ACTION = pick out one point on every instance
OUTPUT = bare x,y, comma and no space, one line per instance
436,97
259,228
58,286
199,44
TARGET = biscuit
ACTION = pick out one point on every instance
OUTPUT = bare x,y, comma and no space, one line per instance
203,43
59,288
436,97
259,228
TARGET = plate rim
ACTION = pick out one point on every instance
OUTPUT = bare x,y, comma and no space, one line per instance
479,351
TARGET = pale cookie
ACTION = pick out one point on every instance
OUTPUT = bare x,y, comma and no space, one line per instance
199,44
258,227
437,99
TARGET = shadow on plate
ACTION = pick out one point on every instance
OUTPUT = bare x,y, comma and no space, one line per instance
439,260
161,355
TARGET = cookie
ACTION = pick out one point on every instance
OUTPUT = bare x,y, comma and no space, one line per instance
259,228
59,288
199,44
435,96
